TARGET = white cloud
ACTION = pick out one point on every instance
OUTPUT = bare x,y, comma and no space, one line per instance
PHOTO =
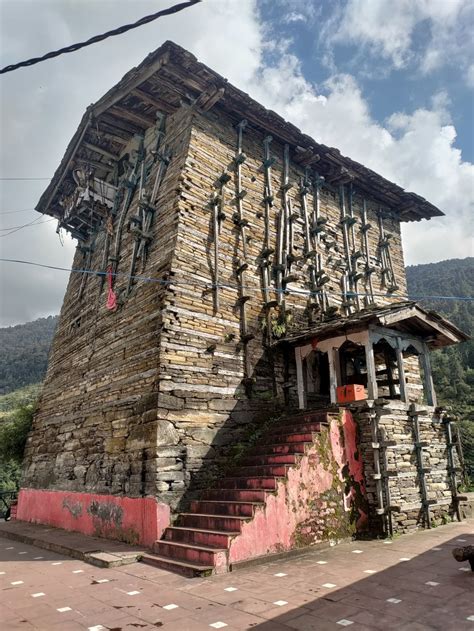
470,76
42,106
414,149
389,29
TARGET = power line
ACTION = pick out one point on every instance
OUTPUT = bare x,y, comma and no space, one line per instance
10,212
22,179
206,285
26,225
99,38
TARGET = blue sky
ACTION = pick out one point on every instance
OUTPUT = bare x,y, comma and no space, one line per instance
389,83
388,86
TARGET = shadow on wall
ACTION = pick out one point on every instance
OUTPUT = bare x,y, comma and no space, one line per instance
206,448
318,496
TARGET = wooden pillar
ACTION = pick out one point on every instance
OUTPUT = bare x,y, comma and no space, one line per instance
428,377
309,376
401,371
300,379
333,372
372,390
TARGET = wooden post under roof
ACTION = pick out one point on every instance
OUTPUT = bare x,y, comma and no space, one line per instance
300,379
372,389
333,373
401,371
427,376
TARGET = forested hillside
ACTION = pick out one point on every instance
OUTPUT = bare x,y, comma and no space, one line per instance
454,366
24,353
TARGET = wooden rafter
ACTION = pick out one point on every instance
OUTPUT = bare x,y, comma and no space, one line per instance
120,125
137,119
105,133
101,150
94,163
152,100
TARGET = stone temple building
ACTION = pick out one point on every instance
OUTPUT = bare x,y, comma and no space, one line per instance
237,370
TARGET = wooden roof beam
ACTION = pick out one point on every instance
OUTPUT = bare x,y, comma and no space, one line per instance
121,126
136,119
152,100
93,163
103,132
101,150
207,99
306,156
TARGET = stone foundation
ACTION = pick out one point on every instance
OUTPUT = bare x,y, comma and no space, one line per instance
131,520
396,424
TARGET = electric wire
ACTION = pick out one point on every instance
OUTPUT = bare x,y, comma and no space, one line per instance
99,38
209,285
11,212
26,225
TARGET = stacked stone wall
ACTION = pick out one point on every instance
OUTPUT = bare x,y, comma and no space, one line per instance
95,428
396,425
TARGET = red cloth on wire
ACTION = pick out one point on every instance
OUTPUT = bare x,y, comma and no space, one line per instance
111,296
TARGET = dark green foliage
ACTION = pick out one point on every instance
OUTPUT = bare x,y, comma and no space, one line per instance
24,353
16,414
453,367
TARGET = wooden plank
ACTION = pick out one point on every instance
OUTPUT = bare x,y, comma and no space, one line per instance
401,373
372,389
94,163
137,119
112,137
120,125
152,100
428,377
332,358
101,150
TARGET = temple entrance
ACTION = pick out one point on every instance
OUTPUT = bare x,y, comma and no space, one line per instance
381,362
317,378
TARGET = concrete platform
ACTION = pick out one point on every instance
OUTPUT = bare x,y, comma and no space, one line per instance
409,584
93,550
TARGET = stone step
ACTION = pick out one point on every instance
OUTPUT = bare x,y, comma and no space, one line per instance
263,483
291,437
295,427
174,565
279,448
224,507
199,536
261,470
312,416
190,553
212,522
270,459
235,495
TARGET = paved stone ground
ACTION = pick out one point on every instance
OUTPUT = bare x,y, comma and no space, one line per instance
411,584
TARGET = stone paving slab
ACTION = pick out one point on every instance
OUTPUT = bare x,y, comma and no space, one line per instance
94,550
409,584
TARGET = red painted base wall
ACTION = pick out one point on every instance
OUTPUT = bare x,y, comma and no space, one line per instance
138,520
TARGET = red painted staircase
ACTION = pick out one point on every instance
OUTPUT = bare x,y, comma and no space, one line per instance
199,541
